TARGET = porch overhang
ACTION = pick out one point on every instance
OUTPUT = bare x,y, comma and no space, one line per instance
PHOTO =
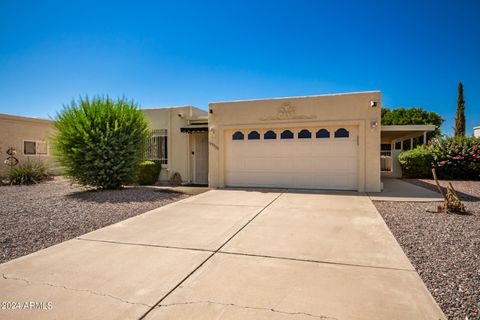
403,132
194,128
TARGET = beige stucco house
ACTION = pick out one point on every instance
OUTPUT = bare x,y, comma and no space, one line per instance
321,142
317,142
30,137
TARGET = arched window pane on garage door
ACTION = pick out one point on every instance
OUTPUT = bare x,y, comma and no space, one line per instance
237,136
304,134
342,133
323,133
287,134
253,135
270,135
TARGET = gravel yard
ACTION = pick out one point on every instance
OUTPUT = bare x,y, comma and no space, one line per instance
38,216
444,248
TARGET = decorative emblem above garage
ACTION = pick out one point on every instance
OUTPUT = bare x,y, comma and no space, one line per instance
287,112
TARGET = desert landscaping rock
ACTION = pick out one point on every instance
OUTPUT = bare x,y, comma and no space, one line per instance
443,248
38,216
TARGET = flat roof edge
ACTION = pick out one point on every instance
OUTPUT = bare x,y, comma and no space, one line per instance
169,107
299,97
409,127
5,116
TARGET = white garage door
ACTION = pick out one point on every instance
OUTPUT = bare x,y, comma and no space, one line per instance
311,157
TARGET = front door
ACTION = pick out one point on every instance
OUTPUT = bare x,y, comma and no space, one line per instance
200,158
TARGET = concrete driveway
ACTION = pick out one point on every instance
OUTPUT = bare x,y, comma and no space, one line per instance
227,254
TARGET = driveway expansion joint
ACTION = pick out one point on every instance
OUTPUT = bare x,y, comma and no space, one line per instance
209,257
28,282
247,307
314,261
144,245
221,205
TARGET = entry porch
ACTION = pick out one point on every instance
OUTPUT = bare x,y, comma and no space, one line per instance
396,139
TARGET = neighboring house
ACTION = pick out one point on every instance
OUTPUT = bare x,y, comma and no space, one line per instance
321,142
476,132
29,137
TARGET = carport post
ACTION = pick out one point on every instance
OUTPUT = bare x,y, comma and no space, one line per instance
424,137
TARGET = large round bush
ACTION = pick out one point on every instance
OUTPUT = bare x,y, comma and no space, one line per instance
417,163
100,141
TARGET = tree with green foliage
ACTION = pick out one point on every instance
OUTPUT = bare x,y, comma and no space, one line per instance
411,116
100,142
460,116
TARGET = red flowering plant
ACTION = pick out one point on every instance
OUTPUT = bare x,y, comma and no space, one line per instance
457,158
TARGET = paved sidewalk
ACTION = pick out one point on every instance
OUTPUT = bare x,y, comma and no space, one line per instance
398,190
227,254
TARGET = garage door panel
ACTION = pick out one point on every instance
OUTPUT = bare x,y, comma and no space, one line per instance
297,163
264,179
260,164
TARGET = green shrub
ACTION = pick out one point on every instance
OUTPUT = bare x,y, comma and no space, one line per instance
100,142
147,172
457,158
417,163
29,172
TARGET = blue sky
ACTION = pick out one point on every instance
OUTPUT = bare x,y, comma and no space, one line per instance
163,53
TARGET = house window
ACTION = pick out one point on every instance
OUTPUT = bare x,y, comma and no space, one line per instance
287,134
304,134
270,135
323,133
157,146
254,135
386,146
342,133
35,148
237,136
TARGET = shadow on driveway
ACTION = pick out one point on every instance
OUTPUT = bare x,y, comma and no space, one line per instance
125,195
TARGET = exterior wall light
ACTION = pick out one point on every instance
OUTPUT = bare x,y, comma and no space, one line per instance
373,123
373,104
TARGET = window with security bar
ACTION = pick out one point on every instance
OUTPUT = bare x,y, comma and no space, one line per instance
157,149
